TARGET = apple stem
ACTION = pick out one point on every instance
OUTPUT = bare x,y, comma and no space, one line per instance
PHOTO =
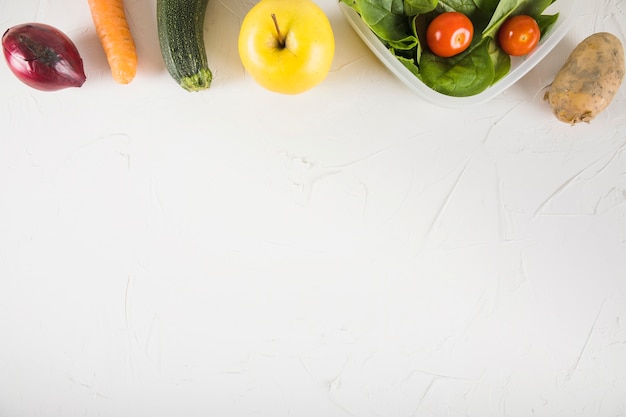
281,38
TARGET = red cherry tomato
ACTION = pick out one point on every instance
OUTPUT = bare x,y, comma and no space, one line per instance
449,34
519,35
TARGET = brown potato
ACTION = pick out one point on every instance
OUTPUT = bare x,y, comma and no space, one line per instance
589,79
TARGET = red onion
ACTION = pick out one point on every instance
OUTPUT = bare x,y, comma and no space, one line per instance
43,57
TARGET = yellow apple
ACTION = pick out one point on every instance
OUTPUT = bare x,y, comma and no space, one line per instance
287,46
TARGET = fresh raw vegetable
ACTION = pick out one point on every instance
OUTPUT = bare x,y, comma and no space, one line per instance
43,57
112,27
589,79
519,35
449,34
401,26
180,25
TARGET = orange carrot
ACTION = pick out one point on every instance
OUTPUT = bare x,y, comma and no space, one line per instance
112,27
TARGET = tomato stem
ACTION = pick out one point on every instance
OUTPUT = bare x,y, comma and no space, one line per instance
281,38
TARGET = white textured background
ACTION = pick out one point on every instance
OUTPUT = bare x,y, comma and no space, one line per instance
352,251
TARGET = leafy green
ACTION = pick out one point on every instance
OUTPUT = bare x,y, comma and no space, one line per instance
409,63
466,74
501,61
415,7
467,7
386,18
546,21
401,24
487,6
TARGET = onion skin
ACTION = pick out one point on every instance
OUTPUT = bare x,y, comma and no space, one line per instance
43,57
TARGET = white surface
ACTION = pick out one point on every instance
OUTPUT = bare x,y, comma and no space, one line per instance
353,251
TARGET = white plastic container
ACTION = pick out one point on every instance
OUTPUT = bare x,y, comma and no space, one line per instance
519,65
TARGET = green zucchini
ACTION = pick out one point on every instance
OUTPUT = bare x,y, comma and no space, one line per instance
180,25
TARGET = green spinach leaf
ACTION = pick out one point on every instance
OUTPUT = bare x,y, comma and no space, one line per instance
415,7
386,18
501,61
546,21
487,6
466,74
408,61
